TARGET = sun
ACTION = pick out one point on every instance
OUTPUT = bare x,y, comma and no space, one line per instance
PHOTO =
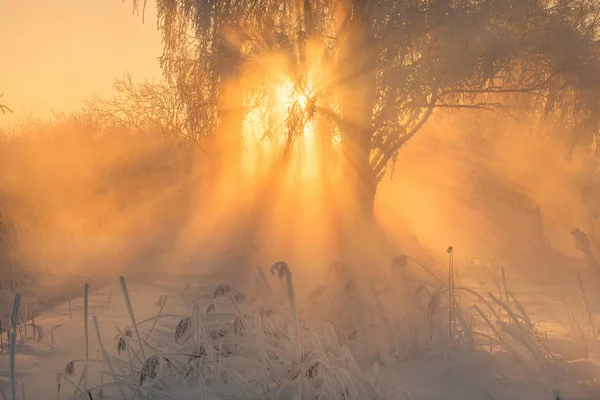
265,128
289,96
288,93
282,119
303,100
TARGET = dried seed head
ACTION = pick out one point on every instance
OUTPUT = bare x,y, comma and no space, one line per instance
399,264
350,286
128,332
265,312
318,292
238,326
217,334
70,368
281,269
582,242
183,330
150,369
222,291
199,351
121,344
313,370
308,366
239,297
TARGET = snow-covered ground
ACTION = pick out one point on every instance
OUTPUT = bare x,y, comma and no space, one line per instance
387,339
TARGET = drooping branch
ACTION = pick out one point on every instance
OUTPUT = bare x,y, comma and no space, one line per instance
4,108
480,56
392,148
473,106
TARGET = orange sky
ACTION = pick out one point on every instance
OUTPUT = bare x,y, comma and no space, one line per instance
54,53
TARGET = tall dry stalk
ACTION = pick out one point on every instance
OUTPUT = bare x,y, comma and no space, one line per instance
582,243
106,357
586,307
132,316
13,341
281,269
86,291
25,317
451,290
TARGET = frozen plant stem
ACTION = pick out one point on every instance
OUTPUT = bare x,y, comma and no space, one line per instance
25,314
86,291
105,356
20,331
162,306
292,298
451,291
282,270
202,336
131,315
586,306
13,341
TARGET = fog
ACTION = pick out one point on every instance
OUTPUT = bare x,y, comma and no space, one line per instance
512,194
496,183
145,205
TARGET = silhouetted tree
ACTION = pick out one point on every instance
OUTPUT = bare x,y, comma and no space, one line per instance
396,62
144,107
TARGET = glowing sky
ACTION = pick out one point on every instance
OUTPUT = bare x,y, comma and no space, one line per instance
54,53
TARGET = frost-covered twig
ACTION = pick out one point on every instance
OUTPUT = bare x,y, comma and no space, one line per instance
131,315
106,357
281,269
13,341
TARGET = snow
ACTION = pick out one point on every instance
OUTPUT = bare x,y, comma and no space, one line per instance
254,356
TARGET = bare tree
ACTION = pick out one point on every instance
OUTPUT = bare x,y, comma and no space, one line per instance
142,107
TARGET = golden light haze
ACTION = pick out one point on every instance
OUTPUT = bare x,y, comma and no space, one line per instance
57,53
369,186
99,209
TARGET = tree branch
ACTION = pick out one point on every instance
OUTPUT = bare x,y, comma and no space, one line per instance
389,153
476,106
497,90
4,108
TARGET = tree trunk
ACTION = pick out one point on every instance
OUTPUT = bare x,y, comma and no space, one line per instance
356,71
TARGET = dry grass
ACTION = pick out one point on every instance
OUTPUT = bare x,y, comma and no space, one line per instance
251,344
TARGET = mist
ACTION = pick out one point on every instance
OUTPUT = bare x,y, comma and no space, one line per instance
82,205
513,194
316,199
